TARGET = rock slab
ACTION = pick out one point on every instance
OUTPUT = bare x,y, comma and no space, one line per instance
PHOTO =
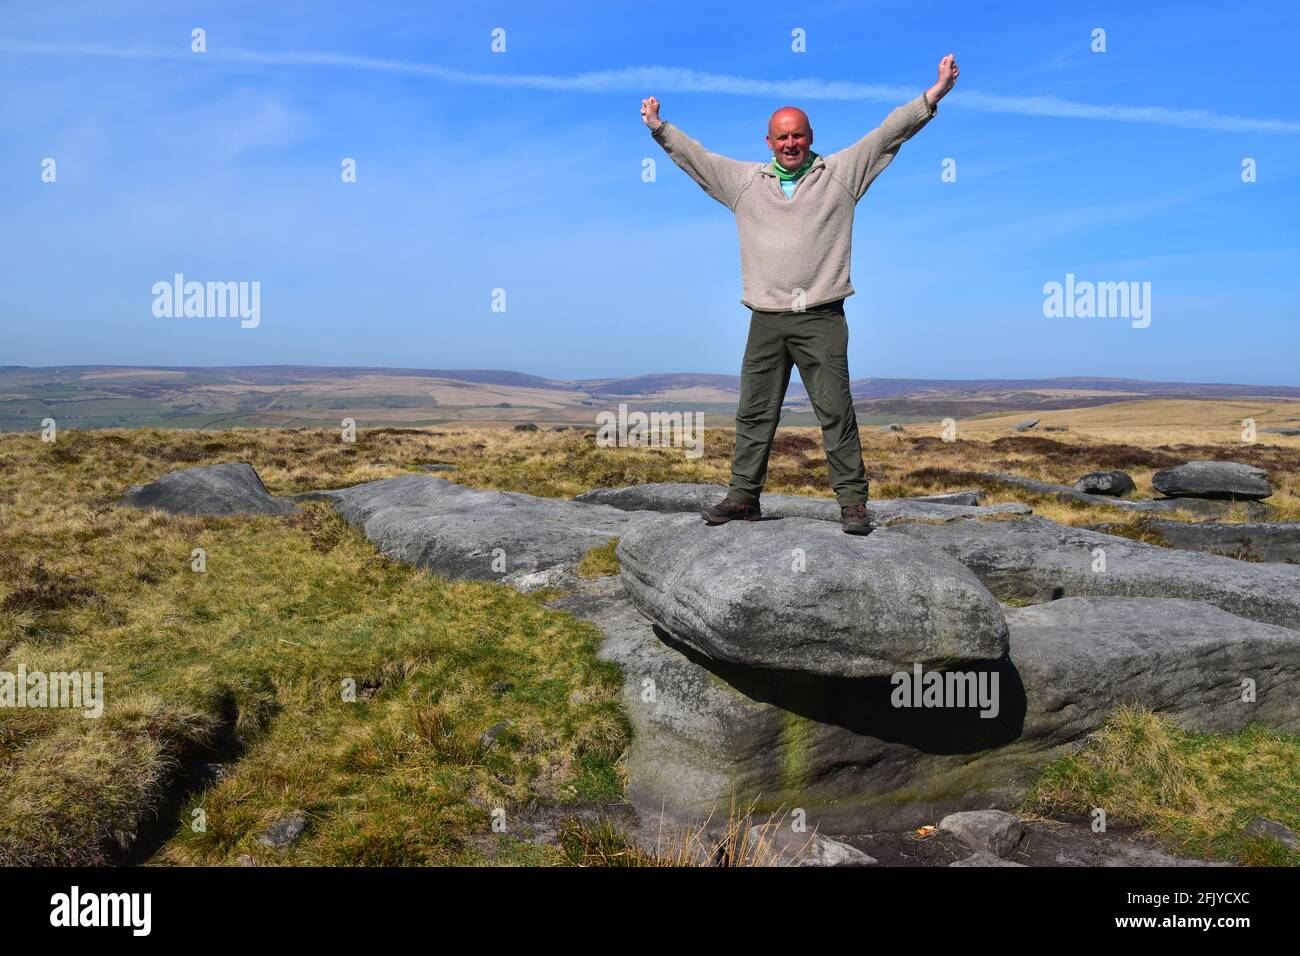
1036,559
1213,479
683,497
801,596
1270,541
462,532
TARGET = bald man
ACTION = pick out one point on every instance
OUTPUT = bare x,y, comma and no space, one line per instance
795,219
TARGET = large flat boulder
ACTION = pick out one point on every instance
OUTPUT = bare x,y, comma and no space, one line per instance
1276,541
673,497
1036,559
229,489
799,595
485,535
707,734
1213,479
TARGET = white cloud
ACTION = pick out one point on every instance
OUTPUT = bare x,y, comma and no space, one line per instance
640,80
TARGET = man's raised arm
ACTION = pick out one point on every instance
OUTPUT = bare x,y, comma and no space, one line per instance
867,158
719,176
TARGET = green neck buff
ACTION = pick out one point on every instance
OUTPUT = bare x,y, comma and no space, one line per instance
785,175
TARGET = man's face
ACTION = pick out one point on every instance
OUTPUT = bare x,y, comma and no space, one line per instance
789,137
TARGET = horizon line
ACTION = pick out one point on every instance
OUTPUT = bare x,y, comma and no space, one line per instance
590,378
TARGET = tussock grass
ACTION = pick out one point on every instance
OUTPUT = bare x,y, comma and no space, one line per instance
1196,790
600,843
600,562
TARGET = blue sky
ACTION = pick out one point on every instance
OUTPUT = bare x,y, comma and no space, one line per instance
522,170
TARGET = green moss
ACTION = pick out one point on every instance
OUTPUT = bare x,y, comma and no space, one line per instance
795,733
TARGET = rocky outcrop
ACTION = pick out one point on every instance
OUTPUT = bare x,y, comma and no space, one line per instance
801,596
1213,479
1113,483
681,497
870,682
708,733
230,489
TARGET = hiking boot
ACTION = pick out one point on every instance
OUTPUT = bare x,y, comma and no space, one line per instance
854,519
728,510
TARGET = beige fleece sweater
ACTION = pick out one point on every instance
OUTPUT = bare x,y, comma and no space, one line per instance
798,248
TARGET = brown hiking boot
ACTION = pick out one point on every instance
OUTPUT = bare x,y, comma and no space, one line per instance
728,510
854,519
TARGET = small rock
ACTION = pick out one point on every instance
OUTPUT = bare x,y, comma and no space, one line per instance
1272,830
560,428
892,427
1027,424
1055,428
438,466
996,831
489,736
285,830
245,860
501,686
230,489
783,847
984,858
525,427
1114,483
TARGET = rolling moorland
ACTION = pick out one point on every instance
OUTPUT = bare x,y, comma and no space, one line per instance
303,396
224,685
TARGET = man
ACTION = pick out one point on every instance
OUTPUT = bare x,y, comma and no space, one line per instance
795,218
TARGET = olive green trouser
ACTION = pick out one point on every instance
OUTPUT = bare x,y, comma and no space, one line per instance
816,340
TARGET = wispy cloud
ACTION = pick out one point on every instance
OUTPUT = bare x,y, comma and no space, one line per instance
642,79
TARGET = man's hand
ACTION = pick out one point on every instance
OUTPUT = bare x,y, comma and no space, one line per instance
947,77
650,113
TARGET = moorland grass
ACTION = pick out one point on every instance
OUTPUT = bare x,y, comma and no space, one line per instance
318,677
1196,791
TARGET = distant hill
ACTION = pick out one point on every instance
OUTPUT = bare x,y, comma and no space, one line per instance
103,396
